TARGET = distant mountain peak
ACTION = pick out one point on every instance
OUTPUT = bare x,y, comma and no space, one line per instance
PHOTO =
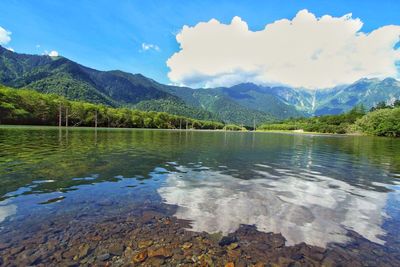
390,80
375,80
247,85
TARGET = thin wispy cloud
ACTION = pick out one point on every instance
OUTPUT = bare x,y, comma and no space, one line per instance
149,47
306,51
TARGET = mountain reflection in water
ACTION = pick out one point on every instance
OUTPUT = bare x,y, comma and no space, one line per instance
304,207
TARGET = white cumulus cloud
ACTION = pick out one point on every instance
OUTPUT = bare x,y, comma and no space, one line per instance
306,51
52,53
147,47
5,36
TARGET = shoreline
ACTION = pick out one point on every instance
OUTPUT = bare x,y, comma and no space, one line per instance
292,132
310,133
166,129
106,128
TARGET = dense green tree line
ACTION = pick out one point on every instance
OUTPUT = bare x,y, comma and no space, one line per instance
19,106
323,124
33,108
234,127
382,120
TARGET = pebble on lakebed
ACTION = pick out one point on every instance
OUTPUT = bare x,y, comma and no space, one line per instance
154,239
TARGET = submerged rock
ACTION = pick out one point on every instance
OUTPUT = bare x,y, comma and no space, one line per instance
235,254
104,257
128,253
232,246
187,245
116,249
83,250
145,243
132,241
140,257
162,252
4,246
226,240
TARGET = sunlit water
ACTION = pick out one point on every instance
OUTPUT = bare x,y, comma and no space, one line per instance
310,188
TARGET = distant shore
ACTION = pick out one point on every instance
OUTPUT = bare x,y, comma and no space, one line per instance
306,132
111,128
175,130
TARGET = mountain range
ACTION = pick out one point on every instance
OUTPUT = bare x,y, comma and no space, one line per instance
241,104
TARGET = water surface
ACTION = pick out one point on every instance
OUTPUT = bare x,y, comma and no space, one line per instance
310,188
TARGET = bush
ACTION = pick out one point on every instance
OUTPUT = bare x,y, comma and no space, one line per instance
381,122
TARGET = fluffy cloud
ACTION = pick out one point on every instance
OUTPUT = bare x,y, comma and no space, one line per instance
52,53
306,51
147,47
5,36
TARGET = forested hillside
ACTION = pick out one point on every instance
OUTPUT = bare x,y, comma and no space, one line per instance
382,120
33,108
61,76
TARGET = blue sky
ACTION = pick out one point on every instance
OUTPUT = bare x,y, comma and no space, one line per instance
109,34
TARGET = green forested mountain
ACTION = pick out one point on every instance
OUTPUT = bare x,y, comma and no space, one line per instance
64,77
261,98
240,104
225,107
33,108
177,107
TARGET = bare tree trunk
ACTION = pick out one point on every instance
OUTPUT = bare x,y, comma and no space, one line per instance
180,124
59,116
66,117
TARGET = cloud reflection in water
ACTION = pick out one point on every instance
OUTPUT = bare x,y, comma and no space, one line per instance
6,210
304,207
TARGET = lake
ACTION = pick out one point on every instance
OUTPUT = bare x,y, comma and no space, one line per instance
162,197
